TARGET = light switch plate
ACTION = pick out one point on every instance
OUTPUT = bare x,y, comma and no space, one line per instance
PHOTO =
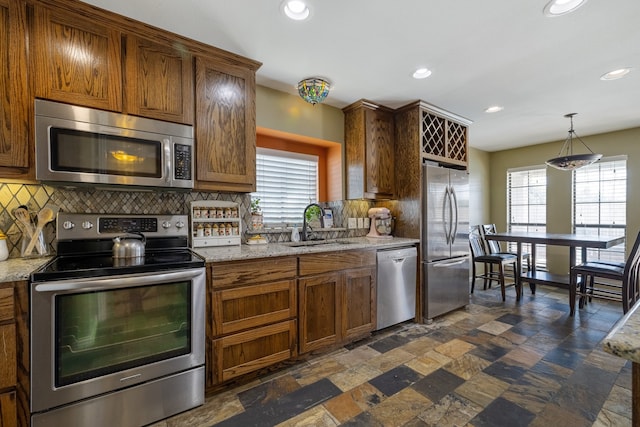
367,222
360,222
352,223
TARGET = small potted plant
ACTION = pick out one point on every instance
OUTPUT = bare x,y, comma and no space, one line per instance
256,214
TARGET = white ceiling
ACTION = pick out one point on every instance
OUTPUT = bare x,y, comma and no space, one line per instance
481,53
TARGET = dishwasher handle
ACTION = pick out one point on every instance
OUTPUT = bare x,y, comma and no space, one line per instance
396,255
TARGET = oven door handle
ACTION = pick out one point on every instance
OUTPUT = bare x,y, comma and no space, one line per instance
117,282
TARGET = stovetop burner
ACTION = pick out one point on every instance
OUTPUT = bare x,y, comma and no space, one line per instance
85,241
79,266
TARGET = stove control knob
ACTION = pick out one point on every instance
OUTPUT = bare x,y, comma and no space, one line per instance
166,224
68,225
87,225
180,224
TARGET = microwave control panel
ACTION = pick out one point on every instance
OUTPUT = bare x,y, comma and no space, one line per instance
182,161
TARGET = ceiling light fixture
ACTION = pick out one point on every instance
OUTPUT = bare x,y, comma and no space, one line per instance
494,109
296,10
314,90
561,7
569,161
421,73
615,74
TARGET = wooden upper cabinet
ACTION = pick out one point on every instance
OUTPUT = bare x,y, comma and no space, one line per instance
158,81
437,134
369,141
225,126
77,60
14,110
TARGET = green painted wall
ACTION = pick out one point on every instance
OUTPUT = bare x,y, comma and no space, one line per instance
479,186
624,142
288,113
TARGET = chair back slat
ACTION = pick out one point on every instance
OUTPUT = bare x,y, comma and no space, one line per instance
631,278
493,246
475,242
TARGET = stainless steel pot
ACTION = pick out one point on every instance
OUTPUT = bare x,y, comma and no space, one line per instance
128,247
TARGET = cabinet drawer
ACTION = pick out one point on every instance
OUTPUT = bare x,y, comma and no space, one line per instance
8,355
6,304
253,306
247,272
249,351
334,261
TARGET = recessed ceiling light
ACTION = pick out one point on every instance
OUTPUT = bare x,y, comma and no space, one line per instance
421,73
494,109
615,74
296,10
560,7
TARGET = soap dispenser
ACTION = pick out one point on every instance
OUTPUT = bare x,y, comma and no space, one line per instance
295,236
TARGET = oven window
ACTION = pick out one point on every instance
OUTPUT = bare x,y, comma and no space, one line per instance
98,333
80,151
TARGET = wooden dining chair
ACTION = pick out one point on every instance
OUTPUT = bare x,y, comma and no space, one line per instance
624,279
480,255
493,246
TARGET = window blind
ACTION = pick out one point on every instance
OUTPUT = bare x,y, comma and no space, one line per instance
600,204
527,205
286,183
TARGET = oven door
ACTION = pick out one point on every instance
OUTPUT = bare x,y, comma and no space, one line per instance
93,336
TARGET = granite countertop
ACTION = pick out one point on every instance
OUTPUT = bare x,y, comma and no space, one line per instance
242,252
624,339
15,269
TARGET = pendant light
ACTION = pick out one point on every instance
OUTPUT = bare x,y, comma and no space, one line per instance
313,90
566,160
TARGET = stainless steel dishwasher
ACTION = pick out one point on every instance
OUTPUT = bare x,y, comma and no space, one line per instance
397,269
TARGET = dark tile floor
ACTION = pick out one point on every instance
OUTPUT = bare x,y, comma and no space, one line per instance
491,364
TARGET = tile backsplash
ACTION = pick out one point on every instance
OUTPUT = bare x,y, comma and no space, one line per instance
92,200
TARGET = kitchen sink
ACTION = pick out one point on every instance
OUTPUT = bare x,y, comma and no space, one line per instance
317,243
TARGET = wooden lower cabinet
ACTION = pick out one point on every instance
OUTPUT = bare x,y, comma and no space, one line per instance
8,357
8,409
359,303
337,306
320,311
266,311
255,349
253,317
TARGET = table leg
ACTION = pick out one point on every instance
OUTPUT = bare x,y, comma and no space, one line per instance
518,272
635,394
532,286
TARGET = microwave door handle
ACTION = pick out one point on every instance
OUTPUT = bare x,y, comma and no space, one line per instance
167,164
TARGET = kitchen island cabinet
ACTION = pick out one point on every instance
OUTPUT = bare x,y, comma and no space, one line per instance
225,125
336,298
14,107
369,151
252,308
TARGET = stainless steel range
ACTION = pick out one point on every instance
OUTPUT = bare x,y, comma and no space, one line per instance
117,341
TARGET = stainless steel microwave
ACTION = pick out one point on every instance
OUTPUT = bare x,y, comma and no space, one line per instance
78,145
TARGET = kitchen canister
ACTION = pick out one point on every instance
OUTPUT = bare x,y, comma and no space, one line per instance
4,250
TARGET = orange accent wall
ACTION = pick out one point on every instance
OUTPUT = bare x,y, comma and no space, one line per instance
326,152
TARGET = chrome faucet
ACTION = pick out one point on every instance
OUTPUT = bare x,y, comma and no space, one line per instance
304,220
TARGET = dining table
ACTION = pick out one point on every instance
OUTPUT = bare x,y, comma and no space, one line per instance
533,276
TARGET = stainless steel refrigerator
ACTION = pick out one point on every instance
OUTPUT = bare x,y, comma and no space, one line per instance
445,240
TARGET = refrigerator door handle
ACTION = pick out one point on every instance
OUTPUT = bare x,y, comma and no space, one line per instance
445,225
449,264
454,214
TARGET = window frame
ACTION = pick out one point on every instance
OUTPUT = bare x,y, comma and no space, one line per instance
541,250
618,252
